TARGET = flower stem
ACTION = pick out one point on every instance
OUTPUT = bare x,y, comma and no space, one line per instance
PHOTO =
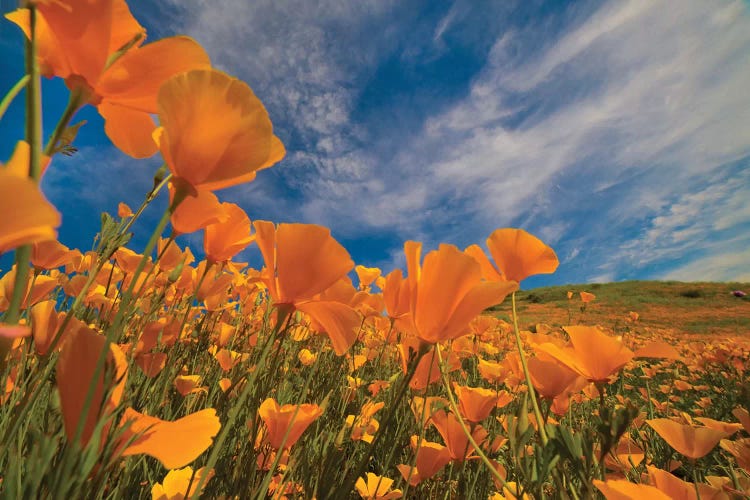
532,393
460,419
34,138
12,93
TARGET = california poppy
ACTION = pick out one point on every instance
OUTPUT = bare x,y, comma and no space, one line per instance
519,254
366,275
214,131
302,261
75,373
431,457
622,489
455,439
25,215
174,444
376,488
77,41
693,442
196,211
285,424
447,292
174,486
223,240
475,403
591,353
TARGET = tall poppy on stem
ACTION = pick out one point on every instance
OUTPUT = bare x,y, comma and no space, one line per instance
286,423
214,133
95,46
517,255
592,354
447,292
302,261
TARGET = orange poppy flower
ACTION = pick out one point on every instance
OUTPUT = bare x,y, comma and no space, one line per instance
123,210
587,297
196,211
376,488
693,442
622,489
658,349
44,323
77,39
25,215
175,484
366,275
51,254
550,378
455,439
674,487
447,292
223,240
519,254
396,297
175,444
75,372
287,421
302,261
475,403
591,354
214,132
431,457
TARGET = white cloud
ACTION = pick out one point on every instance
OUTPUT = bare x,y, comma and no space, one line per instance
584,133
728,266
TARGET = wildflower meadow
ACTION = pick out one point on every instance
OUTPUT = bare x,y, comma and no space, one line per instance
142,373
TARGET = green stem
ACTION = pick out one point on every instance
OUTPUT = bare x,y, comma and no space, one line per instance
460,419
116,324
239,405
532,393
12,93
75,101
34,138
345,489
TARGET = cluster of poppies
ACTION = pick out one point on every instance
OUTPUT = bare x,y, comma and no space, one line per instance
127,370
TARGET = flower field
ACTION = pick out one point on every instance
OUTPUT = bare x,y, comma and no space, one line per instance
144,373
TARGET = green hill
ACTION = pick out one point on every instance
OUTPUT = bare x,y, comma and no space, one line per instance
685,308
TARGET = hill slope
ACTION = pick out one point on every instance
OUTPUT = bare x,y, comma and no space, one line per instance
675,307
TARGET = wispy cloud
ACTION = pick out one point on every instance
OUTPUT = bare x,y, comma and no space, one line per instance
602,127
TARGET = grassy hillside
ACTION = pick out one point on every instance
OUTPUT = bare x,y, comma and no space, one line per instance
684,308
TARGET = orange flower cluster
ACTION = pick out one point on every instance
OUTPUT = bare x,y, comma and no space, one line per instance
135,355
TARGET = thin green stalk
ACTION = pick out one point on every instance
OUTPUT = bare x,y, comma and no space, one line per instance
75,101
343,490
460,419
34,138
530,386
114,327
262,491
213,457
12,93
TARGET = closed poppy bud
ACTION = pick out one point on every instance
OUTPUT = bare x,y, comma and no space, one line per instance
123,210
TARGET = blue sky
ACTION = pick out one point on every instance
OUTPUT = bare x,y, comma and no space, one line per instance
618,132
